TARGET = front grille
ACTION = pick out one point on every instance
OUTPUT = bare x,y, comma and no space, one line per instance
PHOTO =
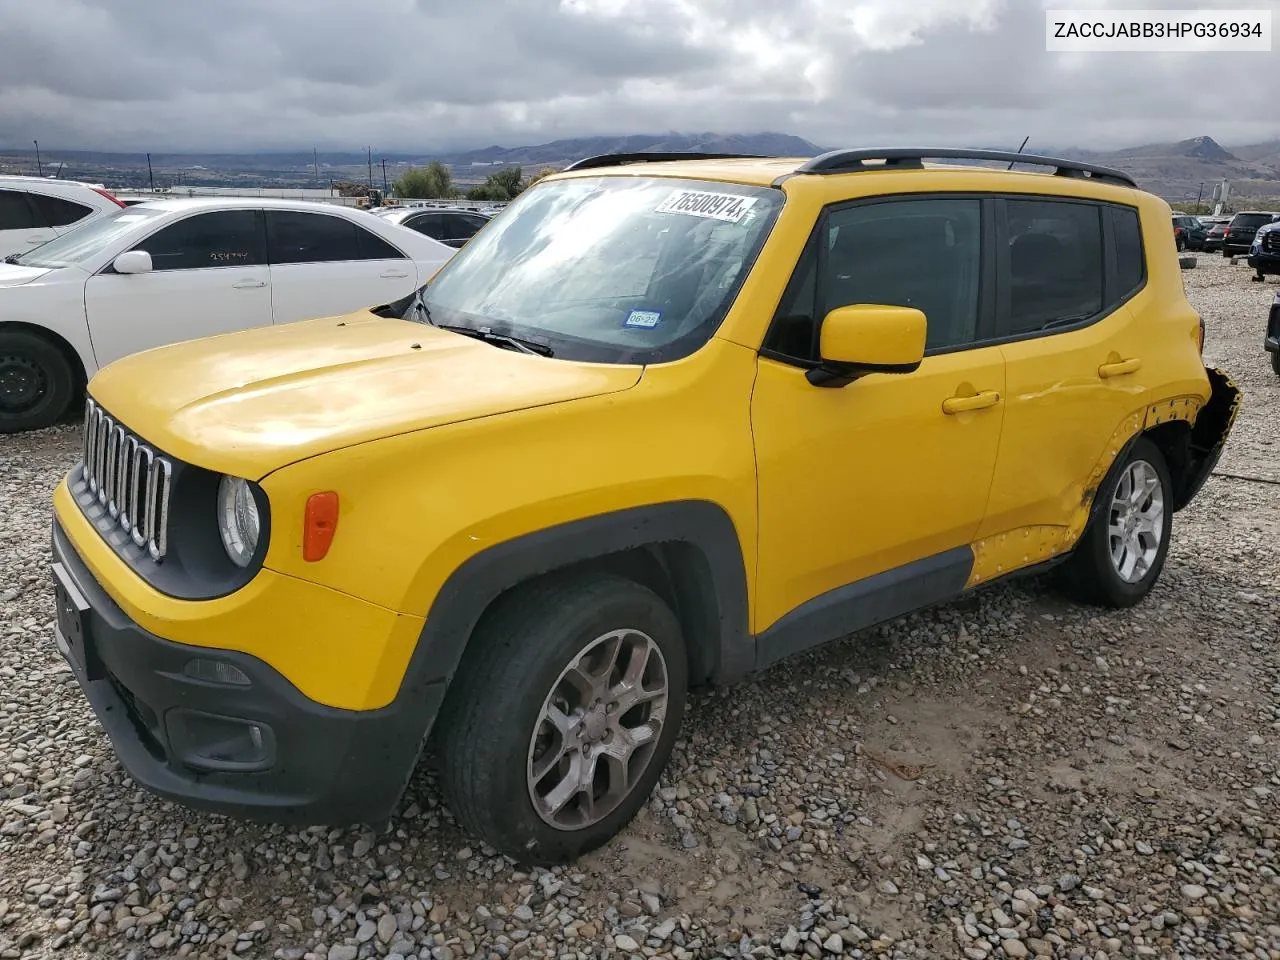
127,478
1271,241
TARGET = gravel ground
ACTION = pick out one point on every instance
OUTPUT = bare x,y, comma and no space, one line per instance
1004,777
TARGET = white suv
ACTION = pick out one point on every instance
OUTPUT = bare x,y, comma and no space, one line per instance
34,210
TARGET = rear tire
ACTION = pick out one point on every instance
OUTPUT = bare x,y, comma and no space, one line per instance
1275,362
542,737
37,384
1122,550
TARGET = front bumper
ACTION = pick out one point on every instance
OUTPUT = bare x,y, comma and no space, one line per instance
191,738
1265,262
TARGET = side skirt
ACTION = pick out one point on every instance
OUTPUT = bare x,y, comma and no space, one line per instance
878,599
873,600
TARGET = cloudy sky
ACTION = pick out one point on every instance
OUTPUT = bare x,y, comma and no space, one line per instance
235,75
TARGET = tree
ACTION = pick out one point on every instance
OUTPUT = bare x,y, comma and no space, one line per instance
504,185
544,172
432,182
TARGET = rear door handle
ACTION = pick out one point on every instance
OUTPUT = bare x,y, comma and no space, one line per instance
35,240
393,275
979,401
1107,370
249,284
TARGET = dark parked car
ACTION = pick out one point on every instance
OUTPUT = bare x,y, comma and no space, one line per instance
1215,227
1240,231
1272,341
1264,254
1188,232
452,227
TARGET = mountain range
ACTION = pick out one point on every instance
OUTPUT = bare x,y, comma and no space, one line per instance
1179,171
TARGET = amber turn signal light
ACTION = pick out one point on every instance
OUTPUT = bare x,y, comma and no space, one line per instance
320,525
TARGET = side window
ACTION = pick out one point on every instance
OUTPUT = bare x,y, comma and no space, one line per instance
373,247
1130,263
1055,263
16,213
458,226
59,212
427,224
220,238
311,237
924,253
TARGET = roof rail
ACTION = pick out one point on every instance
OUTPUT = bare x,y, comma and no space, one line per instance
618,159
911,158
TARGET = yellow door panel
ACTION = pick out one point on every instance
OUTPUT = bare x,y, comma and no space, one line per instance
1066,396
860,479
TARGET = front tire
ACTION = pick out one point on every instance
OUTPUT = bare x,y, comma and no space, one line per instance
1275,362
563,715
37,383
1123,549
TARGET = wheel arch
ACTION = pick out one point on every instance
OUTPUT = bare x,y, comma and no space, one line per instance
72,355
688,552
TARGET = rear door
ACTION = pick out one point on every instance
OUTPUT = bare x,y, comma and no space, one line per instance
1076,366
209,275
59,213
21,225
325,264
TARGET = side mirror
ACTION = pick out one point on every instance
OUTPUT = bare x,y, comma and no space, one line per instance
133,261
869,338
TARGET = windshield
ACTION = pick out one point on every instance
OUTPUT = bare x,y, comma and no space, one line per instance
85,241
607,269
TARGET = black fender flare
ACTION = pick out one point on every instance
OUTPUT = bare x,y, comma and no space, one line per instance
698,536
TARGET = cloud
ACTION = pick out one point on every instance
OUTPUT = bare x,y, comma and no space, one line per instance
421,75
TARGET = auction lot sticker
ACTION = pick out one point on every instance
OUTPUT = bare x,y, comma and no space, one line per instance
729,207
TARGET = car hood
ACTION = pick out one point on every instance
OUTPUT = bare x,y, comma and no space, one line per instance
12,275
250,402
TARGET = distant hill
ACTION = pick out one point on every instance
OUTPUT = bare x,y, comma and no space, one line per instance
563,152
1177,171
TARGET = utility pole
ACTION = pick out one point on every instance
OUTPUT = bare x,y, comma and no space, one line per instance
385,189
315,159
1199,196
39,165
151,176
370,151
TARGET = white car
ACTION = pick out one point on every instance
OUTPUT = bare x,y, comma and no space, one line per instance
171,270
34,210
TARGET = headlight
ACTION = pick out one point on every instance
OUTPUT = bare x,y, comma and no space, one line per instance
238,521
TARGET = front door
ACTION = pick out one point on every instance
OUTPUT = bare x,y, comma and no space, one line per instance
209,275
867,478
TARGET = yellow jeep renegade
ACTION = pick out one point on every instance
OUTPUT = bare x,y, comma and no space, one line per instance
660,423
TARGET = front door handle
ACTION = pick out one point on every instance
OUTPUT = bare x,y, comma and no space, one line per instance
34,240
393,275
979,401
1120,368
249,284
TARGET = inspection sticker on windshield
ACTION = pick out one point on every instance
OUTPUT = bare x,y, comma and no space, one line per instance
647,319
729,207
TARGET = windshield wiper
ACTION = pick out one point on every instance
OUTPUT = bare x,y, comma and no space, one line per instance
483,333
13,258
488,336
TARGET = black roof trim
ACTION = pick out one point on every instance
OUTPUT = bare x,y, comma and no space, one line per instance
911,158
618,159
